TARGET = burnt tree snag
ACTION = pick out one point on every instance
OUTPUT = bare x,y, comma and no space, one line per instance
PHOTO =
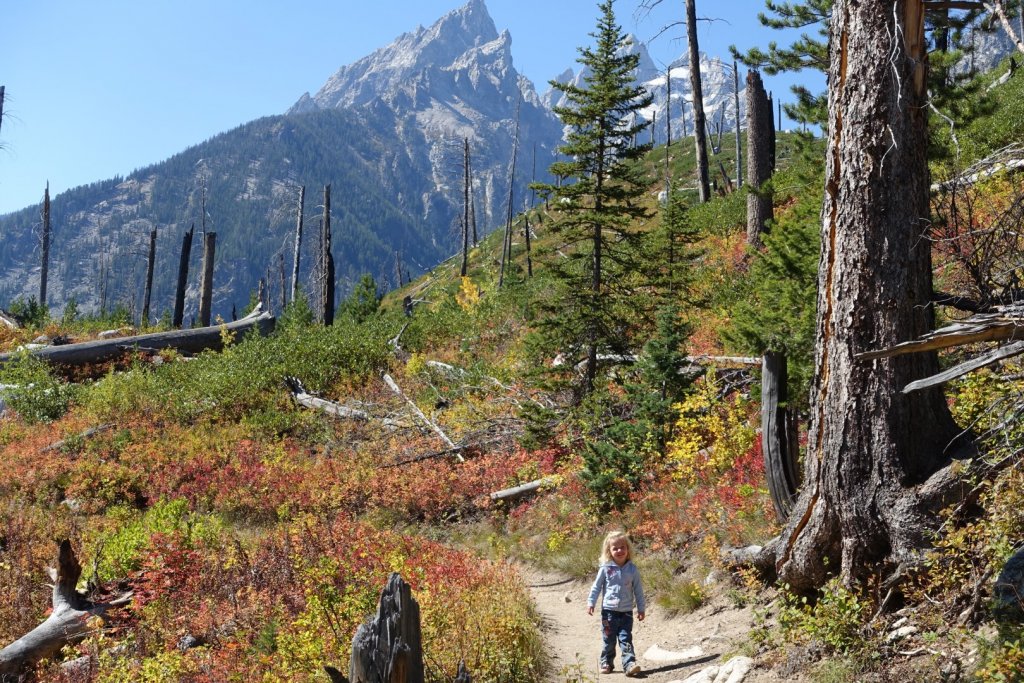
760,141
44,267
390,649
699,121
206,284
326,265
298,244
779,444
69,621
465,207
874,455
179,292
150,265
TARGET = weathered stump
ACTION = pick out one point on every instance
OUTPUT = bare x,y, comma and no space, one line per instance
389,649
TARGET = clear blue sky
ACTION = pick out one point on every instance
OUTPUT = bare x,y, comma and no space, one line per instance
103,87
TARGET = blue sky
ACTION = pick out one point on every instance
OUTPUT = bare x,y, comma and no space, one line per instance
100,88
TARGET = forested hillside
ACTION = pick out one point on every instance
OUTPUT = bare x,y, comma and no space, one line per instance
611,360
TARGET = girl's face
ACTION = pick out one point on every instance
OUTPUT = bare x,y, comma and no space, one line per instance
619,551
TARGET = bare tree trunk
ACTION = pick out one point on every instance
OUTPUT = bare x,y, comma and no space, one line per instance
699,124
326,263
150,265
759,166
298,243
739,147
1,105
506,249
179,292
284,287
465,207
206,285
874,453
44,268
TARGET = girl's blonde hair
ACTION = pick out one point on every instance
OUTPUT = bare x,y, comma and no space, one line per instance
606,547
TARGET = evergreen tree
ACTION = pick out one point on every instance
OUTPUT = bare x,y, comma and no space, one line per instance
807,52
596,251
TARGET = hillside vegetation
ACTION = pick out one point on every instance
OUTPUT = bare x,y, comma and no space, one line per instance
255,534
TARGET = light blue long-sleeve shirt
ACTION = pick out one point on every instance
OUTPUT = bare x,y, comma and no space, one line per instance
621,586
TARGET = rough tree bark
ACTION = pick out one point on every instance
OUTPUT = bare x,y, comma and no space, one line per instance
699,123
465,207
760,133
68,622
179,292
873,453
739,147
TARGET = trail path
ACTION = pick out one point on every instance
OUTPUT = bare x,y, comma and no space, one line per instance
668,649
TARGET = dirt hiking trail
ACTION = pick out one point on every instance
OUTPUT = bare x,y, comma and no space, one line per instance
689,647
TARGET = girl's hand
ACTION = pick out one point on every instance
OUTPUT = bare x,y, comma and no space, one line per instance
590,610
640,616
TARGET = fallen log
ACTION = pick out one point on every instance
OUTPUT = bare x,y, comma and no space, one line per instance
68,622
517,492
308,400
185,341
8,320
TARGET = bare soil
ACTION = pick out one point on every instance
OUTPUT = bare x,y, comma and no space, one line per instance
669,648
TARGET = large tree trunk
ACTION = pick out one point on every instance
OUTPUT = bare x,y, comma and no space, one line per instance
760,136
872,448
326,263
699,124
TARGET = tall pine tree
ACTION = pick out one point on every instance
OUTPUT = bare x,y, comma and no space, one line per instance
596,250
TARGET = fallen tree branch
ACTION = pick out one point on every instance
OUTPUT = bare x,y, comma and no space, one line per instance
68,622
962,369
419,413
56,445
8,321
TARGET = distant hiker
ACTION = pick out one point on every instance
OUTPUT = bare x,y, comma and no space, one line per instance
619,579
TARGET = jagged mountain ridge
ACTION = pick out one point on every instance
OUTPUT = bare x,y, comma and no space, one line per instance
391,126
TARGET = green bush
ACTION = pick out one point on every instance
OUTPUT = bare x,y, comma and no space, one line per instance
34,392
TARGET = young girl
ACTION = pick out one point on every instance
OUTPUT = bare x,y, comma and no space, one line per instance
619,580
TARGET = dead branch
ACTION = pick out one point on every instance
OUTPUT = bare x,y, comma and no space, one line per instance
92,431
419,413
70,620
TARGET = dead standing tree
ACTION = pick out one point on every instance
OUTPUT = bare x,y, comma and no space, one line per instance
150,265
206,284
760,138
696,88
298,244
44,267
325,267
179,292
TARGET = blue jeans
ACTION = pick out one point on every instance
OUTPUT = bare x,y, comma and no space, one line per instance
617,626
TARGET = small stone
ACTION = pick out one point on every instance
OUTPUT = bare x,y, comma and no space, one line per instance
567,597
188,641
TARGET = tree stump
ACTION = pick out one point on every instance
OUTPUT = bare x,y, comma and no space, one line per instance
389,649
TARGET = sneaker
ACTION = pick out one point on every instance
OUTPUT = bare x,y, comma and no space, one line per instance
606,668
633,671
